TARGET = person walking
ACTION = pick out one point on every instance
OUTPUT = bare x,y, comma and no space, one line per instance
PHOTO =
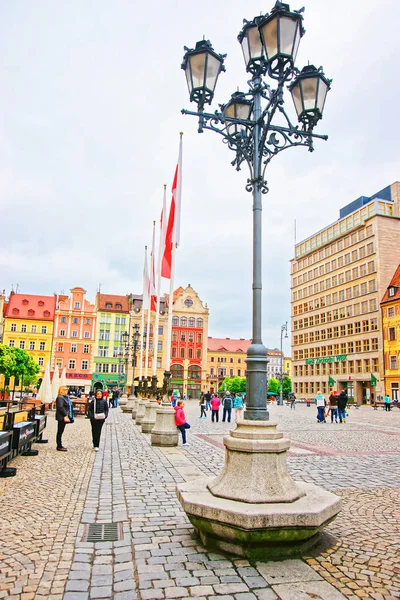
202,404
333,400
62,418
180,421
115,398
238,406
320,399
111,399
227,406
207,397
98,413
215,403
341,404
387,403
292,399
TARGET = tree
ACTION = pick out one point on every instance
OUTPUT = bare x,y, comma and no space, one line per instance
274,386
286,386
17,363
7,360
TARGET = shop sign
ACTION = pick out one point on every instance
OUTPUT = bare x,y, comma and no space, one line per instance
328,359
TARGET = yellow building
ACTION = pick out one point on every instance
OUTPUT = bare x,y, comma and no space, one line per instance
2,300
339,276
28,324
390,307
287,366
226,357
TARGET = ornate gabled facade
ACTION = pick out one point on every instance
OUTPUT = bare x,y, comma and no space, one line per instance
390,307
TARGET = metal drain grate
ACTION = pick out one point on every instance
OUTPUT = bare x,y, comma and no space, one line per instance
102,532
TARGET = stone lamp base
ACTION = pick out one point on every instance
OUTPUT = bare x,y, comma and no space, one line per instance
254,509
164,432
141,407
128,407
149,418
122,400
135,407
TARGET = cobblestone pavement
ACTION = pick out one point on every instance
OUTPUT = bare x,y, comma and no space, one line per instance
45,515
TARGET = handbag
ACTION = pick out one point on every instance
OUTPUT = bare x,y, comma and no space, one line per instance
98,416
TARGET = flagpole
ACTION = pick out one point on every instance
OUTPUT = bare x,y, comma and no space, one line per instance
142,323
146,366
160,254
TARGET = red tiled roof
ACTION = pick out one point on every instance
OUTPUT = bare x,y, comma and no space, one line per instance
227,345
103,299
395,283
28,307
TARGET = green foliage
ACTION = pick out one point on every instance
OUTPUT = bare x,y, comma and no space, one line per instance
274,386
17,363
233,385
7,361
286,386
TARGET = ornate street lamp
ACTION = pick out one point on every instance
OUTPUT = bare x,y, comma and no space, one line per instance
256,126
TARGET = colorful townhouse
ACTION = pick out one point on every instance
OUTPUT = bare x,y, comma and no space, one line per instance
390,307
28,324
74,339
2,302
112,320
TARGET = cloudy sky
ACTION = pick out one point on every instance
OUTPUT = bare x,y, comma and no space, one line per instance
91,92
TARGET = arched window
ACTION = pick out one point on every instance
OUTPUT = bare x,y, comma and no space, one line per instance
183,322
194,372
176,372
108,305
192,322
119,306
199,323
175,320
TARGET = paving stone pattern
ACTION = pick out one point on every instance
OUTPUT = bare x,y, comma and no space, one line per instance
159,556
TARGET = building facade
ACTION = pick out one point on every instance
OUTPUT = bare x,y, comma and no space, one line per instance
2,303
390,307
74,338
28,324
338,277
226,357
112,320
287,366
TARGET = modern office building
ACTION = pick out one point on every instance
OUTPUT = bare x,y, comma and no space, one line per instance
390,307
338,278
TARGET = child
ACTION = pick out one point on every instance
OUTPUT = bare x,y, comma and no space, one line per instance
180,421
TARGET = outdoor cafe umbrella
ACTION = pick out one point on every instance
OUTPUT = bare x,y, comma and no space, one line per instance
55,384
45,388
63,380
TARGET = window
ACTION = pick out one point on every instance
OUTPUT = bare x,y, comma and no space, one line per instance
159,345
41,303
86,334
160,330
199,323
392,291
59,365
174,352
113,368
365,326
199,338
75,320
106,367
365,345
15,311
190,352
14,326
182,352
41,362
86,349
87,321
77,305
23,328
390,313
71,364
108,305
393,362
63,319
183,336
33,328
374,344
174,336
183,322
22,344
32,312
42,346
73,347
43,329
192,322
118,306
392,334
74,334
84,365
25,302
60,348
103,351
175,321
31,345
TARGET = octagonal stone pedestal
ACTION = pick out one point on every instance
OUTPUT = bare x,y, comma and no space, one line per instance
254,508
164,432
122,401
128,407
135,407
141,407
149,418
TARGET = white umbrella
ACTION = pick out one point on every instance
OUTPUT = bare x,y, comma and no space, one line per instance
45,388
55,384
63,379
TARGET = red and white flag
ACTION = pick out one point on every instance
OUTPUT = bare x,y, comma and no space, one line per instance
152,285
172,233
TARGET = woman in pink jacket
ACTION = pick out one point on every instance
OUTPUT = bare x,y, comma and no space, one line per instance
215,404
180,421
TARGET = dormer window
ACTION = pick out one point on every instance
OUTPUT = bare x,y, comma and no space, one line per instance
46,313
119,306
41,303
392,291
15,311
31,312
108,305
25,302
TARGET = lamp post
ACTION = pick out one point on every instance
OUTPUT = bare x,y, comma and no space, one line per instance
283,329
256,127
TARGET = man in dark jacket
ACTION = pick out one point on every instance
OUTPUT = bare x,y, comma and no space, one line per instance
342,403
227,405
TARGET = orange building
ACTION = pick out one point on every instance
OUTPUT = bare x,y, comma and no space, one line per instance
74,338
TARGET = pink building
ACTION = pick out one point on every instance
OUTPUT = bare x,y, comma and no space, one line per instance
74,338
